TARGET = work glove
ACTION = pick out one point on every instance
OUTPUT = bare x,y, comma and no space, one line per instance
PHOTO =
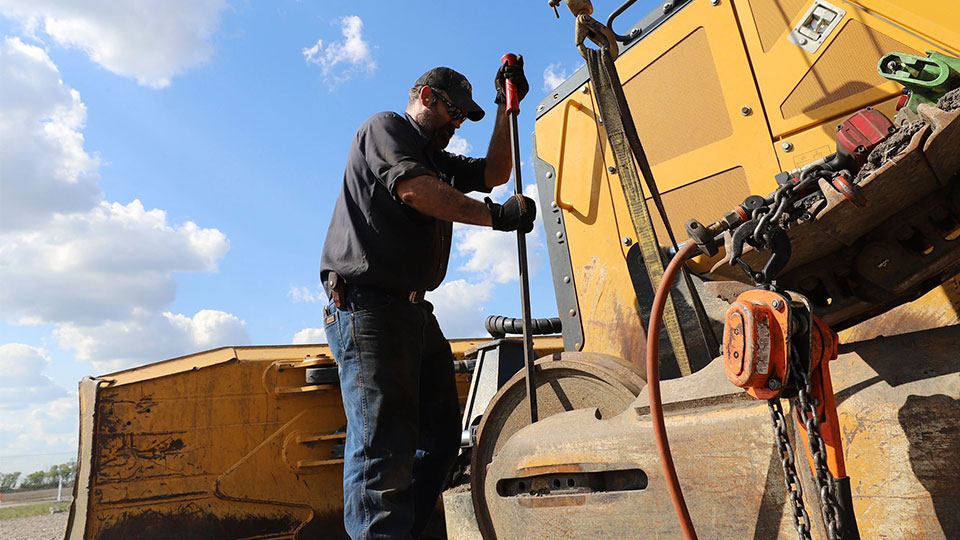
515,214
512,73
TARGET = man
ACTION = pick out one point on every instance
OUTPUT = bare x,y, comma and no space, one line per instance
389,242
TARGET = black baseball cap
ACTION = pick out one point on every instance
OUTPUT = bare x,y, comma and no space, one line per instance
456,86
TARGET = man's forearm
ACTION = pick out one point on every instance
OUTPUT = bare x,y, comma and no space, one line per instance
432,197
499,161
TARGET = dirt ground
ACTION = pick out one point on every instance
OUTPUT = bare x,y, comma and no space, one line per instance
45,527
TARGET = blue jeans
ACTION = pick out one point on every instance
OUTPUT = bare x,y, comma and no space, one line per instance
403,421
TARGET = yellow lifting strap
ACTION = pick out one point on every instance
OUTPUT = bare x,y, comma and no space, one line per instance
606,82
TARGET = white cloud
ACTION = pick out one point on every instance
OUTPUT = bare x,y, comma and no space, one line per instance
149,40
36,415
554,75
459,307
304,295
23,383
40,116
459,145
50,427
341,60
489,252
104,264
309,335
493,254
101,272
143,338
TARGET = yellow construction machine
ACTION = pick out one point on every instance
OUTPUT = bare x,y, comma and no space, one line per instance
797,164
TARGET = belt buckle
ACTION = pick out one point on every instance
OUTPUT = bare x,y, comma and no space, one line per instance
415,297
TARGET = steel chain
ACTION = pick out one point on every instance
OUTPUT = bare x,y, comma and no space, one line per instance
826,487
801,520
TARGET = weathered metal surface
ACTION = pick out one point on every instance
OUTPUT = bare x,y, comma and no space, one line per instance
461,523
565,382
900,425
855,263
231,443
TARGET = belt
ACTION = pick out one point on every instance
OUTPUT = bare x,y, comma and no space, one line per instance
339,290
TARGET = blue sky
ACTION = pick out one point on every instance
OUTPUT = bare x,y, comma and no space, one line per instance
168,168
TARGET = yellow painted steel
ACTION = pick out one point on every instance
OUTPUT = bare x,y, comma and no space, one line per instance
228,443
722,102
596,217
802,89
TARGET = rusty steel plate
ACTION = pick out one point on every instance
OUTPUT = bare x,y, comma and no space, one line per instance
898,403
564,382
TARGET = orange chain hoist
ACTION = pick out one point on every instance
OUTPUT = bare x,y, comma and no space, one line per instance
774,347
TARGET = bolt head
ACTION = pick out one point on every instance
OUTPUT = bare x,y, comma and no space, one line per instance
540,108
777,304
626,240
573,312
801,40
667,7
566,279
745,110
549,174
773,384
585,90
553,204
714,2
787,146
611,169
559,234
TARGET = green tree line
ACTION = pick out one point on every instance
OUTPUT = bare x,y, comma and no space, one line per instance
39,479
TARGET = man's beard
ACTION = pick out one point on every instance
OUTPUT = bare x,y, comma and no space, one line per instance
442,135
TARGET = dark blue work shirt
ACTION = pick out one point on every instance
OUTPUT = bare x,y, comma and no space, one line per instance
374,238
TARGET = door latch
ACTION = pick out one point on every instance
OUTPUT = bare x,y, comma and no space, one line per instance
815,25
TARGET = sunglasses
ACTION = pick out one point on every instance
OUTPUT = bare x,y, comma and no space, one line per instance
454,111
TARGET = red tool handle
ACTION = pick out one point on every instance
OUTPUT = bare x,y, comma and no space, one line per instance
513,103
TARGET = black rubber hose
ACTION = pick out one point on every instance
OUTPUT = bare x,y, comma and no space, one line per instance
499,326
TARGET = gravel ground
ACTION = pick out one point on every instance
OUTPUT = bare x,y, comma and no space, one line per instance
46,527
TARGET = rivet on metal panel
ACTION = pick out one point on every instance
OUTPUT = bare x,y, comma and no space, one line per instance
667,7
801,40
573,312
635,32
549,174
776,304
626,240
714,2
559,234
746,110
576,345
566,279
585,90
787,146
553,204
612,169
540,108
773,384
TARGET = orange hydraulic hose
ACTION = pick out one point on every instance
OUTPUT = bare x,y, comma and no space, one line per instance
653,387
